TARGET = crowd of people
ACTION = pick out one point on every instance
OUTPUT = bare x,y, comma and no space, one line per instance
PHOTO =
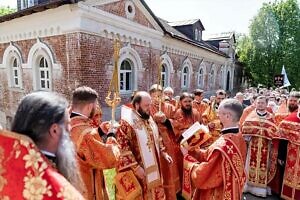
58,150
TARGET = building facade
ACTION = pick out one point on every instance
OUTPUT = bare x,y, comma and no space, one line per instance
60,45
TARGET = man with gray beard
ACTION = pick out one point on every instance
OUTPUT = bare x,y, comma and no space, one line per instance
39,148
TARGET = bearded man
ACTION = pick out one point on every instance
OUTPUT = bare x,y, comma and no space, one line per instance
92,154
211,119
34,158
161,112
141,149
289,130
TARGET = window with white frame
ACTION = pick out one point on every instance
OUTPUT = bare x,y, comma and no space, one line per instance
16,73
164,76
26,3
196,34
199,35
201,78
126,76
44,74
185,77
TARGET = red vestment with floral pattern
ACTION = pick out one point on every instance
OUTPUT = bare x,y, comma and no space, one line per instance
217,172
289,129
25,173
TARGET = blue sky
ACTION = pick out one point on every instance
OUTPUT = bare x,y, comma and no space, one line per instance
216,15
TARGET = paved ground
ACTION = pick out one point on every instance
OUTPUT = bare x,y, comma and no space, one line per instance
251,197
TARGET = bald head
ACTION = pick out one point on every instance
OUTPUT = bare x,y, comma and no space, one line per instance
141,103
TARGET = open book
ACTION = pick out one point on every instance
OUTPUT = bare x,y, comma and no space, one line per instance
195,136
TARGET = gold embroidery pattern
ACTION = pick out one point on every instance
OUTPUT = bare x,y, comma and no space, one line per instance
35,187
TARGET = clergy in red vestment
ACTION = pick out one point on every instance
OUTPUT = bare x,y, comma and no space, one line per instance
141,149
282,113
289,130
93,155
183,119
197,102
160,112
168,93
218,172
185,116
261,135
211,119
249,109
290,107
37,159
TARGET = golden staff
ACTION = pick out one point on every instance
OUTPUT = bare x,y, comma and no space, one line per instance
159,84
114,88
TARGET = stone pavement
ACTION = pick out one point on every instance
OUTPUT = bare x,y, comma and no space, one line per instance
251,197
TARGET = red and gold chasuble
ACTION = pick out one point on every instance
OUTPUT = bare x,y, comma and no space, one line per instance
263,148
281,113
140,147
200,106
170,171
219,173
210,116
180,122
93,156
289,129
246,112
26,174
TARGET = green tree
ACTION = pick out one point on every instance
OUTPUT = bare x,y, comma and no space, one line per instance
6,10
273,41
288,17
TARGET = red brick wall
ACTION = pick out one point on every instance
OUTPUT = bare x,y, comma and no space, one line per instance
85,60
118,8
58,45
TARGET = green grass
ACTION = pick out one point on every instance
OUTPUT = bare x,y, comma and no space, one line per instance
109,175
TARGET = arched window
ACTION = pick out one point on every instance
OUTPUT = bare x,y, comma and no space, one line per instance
126,76
44,74
222,77
166,70
164,74
12,60
16,73
185,77
201,78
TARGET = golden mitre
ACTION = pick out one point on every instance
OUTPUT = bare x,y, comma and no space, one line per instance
195,136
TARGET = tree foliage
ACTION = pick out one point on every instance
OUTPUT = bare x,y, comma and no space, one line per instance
273,41
6,10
